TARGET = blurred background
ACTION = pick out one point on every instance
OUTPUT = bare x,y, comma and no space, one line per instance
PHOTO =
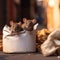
47,11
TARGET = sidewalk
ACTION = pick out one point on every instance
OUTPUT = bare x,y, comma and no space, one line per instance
26,56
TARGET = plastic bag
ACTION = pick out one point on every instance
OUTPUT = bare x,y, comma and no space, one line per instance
24,42
48,48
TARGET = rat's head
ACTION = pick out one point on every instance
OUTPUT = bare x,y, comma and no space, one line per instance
16,27
28,24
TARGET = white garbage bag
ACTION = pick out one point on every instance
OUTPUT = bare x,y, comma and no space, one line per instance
57,42
51,44
48,48
24,42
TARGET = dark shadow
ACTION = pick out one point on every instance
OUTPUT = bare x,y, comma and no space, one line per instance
25,8
2,14
3,57
19,52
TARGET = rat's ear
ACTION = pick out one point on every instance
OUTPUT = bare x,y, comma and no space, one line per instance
24,20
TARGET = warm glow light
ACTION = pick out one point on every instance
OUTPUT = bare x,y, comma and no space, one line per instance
51,3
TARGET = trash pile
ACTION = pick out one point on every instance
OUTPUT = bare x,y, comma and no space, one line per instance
41,36
46,42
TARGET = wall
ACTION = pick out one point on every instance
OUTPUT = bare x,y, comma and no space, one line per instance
52,11
2,13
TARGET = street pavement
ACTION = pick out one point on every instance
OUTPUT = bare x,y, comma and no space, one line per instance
26,56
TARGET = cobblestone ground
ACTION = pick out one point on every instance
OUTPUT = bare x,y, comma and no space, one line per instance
26,56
